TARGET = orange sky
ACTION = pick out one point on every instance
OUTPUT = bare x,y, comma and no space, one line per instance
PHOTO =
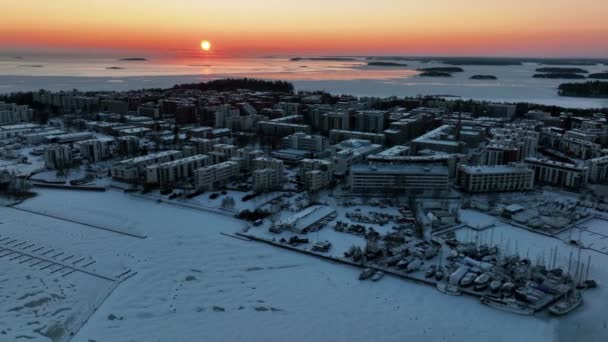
262,27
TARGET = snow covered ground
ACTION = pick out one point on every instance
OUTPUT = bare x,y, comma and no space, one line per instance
194,284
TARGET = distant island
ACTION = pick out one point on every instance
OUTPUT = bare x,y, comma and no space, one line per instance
231,84
586,89
32,65
563,70
435,74
199,65
599,76
484,77
133,59
330,59
442,69
557,75
386,64
114,68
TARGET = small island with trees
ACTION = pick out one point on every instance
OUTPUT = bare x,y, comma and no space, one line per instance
434,74
441,69
559,75
386,64
599,76
484,77
563,70
586,89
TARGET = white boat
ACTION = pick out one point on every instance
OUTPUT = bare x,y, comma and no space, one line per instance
482,279
448,289
377,276
507,304
495,285
573,300
366,274
414,266
467,279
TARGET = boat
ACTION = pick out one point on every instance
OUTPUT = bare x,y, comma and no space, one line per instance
366,274
484,278
414,265
377,275
439,273
467,279
405,261
430,271
509,305
480,287
495,285
448,289
571,301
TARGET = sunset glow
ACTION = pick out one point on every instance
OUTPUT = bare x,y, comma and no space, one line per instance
205,45
468,27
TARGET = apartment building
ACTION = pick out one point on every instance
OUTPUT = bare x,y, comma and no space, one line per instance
559,174
133,170
169,173
316,174
513,177
11,113
58,156
214,176
94,150
398,178
305,142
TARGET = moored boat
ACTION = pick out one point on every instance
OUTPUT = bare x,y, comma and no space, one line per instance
510,305
366,274
571,301
448,289
377,275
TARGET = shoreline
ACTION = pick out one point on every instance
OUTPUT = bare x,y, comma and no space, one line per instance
360,87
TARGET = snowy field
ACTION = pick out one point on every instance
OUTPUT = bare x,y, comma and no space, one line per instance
194,284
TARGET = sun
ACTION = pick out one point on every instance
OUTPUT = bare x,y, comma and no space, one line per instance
206,45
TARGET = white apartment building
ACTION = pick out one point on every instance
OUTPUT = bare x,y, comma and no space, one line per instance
169,173
267,179
94,150
398,178
127,145
598,169
211,177
223,113
560,174
305,142
132,170
267,163
316,174
222,153
58,156
513,177
350,152
371,121
11,113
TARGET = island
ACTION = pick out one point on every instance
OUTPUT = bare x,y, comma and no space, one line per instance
484,77
599,76
386,64
563,70
560,76
114,68
442,69
32,65
134,59
586,89
435,74
328,59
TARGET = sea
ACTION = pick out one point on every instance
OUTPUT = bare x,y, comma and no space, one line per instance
354,77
